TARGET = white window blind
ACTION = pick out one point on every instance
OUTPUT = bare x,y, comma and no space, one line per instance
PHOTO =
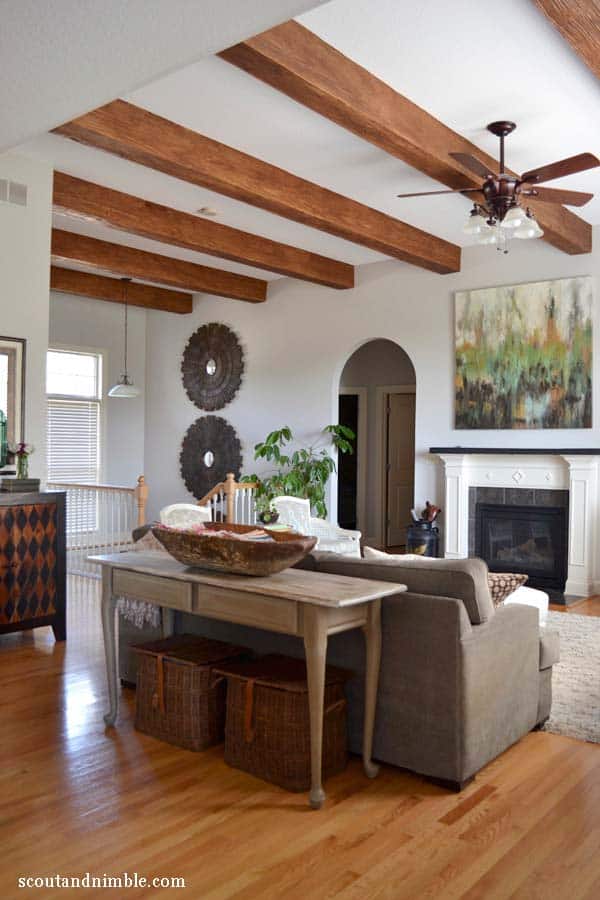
73,440
73,443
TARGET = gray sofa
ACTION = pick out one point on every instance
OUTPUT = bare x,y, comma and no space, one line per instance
460,680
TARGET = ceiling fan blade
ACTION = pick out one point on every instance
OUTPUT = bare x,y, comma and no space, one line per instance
563,167
431,193
472,164
555,195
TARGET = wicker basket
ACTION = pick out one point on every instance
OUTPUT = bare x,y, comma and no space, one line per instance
267,731
178,699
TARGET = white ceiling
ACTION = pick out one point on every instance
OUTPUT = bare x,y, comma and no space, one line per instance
438,54
61,58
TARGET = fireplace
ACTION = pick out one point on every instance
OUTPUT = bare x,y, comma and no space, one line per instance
529,539
567,478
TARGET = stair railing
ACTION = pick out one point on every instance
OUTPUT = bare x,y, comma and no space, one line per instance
232,501
100,519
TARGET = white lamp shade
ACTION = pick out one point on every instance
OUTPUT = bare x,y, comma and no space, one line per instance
125,388
529,229
489,237
476,224
513,218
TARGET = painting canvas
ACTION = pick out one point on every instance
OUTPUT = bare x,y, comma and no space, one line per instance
524,356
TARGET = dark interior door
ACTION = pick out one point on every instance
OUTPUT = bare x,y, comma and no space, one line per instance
348,464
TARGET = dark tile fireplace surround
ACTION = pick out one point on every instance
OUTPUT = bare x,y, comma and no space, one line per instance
522,530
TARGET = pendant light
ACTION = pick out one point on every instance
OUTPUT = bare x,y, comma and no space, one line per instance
125,387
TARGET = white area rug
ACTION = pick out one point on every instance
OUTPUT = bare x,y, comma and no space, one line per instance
576,678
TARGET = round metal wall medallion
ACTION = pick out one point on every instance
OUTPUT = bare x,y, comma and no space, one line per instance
212,366
210,449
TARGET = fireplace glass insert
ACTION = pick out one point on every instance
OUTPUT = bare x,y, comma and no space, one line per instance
527,539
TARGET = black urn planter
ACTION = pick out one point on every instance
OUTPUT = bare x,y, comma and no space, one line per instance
423,538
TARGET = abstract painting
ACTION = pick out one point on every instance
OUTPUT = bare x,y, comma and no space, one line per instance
524,356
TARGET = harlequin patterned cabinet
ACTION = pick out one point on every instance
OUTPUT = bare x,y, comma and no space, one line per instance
32,562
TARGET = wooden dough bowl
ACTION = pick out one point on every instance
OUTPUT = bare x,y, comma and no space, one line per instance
221,554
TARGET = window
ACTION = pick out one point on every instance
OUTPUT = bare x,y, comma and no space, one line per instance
74,388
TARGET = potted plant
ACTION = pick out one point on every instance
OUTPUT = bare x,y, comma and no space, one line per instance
303,472
267,514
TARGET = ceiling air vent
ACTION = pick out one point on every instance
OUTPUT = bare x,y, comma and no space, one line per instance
13,192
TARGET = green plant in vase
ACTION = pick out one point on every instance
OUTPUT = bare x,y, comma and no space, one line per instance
22,451
303,472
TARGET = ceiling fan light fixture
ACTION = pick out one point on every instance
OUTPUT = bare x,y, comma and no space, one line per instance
476,223
529,229
488,237
514,218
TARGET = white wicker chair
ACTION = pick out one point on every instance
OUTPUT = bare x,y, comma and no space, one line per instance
182,515
295,511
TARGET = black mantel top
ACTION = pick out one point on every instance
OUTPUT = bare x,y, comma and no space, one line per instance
521,451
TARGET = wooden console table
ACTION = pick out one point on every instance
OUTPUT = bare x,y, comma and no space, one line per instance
297,602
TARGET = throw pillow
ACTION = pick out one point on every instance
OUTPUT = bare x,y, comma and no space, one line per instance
372,553
503,584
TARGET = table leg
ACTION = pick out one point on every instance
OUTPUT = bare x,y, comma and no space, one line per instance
315,647
109,604
372,633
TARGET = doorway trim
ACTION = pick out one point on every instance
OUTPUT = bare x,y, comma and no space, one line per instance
381,392
361,453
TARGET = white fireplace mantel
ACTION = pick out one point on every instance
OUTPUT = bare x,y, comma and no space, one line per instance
576,473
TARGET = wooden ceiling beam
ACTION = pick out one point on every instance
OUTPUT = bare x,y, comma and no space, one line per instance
142,137
297,62
171,226
121,260
579,23
99,287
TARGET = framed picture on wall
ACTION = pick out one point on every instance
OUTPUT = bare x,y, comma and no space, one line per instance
12,386
524,355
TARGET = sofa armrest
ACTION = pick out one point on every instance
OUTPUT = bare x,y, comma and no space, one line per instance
499,684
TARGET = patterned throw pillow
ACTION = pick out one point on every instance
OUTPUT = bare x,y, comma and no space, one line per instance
503,584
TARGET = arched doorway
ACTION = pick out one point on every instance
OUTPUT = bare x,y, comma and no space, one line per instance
376,483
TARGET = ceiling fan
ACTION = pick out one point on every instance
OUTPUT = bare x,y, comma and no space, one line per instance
502,211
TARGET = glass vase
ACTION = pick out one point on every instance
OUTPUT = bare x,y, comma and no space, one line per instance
22,465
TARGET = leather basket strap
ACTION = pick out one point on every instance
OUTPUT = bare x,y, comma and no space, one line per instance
249,731
158,698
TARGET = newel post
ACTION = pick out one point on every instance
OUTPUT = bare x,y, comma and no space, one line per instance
141,496
229,489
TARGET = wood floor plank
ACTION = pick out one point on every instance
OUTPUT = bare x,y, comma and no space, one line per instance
76,797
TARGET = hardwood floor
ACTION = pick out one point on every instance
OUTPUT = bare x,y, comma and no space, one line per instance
75,798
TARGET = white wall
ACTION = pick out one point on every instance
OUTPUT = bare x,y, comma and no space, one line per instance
299,340
81,323
24,278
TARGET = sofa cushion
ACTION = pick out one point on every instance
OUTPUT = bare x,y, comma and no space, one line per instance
549,648
462,579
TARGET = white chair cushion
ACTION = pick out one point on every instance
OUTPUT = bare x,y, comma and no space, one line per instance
531,597
182,515
295,512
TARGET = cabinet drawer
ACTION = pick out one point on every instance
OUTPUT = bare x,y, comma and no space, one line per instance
162,591
271,613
